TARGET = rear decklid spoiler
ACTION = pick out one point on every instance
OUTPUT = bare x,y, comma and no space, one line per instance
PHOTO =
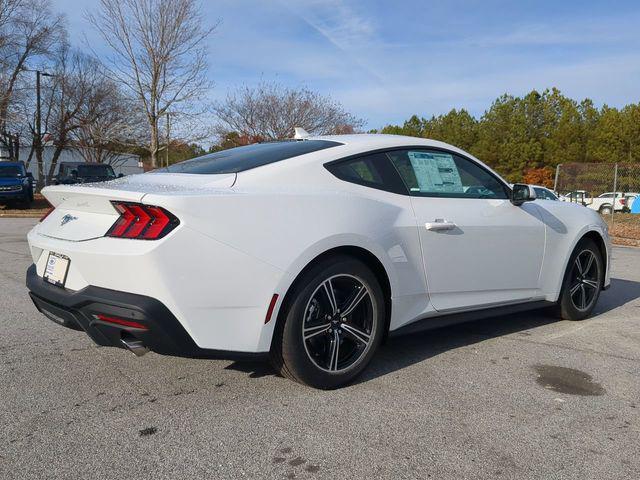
85,212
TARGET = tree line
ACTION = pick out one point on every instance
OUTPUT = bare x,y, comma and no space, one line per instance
525,138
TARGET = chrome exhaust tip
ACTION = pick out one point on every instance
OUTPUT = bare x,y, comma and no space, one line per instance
134,345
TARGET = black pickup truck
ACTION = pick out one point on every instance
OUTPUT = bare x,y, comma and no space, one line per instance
79,172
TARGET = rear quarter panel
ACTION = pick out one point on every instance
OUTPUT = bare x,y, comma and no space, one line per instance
286,222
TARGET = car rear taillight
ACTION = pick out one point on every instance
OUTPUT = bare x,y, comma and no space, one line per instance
142,222
623,201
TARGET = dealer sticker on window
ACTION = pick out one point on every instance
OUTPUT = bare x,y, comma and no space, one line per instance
56,270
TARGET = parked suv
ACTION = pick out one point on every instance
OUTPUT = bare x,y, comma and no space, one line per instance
16,184
80,172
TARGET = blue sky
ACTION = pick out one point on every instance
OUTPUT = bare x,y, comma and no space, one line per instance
385,60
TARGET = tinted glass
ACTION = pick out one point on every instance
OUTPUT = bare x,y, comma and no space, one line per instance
244,158
544,194
373,171
11,171
98,170
429,173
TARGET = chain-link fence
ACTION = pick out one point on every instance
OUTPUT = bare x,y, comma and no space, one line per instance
612,189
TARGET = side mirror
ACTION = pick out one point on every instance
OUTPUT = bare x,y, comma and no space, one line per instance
120,175
30,176
74,173
521,193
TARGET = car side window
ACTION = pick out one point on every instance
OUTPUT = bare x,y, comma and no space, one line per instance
372,170
431,173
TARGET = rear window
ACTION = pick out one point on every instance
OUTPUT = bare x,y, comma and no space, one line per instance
96,170
239,159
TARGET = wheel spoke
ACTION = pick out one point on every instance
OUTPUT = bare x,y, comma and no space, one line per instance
358,334
311,332
590,283
334,352
589,263
583,296
360,294
574,289
331,295
579,265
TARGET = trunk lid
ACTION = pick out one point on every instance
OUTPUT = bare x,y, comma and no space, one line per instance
85,212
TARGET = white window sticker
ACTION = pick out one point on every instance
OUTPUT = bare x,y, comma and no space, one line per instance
436,172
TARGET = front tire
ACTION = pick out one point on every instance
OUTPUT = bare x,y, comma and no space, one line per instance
332,325
582,282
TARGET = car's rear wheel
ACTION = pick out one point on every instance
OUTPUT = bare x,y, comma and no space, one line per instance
582,282
332,325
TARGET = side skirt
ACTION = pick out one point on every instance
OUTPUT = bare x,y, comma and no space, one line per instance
431,323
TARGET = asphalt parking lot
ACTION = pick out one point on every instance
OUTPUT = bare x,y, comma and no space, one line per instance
512,397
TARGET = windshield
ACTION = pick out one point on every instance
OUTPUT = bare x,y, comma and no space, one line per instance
10,171
97,170
244,158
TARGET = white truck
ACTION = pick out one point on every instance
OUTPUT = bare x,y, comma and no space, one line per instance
604,203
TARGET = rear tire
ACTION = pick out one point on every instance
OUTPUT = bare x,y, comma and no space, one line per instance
332,325
582,282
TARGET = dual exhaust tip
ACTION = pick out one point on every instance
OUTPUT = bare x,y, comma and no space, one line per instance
134,345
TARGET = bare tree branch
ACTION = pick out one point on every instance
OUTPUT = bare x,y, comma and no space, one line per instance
159,52
271,111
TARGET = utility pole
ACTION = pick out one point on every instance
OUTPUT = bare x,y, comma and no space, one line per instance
166,154
38,136
555,182
615,193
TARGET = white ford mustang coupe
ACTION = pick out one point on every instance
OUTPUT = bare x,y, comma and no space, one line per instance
310,252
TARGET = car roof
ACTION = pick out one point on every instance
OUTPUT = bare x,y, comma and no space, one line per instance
379,140
10,164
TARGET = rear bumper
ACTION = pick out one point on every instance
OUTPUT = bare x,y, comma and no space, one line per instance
162,332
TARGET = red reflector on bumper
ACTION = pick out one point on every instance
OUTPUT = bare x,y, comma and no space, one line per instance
119,321
272,305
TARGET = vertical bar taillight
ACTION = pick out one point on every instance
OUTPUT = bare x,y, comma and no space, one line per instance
142,222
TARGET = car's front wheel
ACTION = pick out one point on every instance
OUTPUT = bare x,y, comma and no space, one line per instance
582,282
332,325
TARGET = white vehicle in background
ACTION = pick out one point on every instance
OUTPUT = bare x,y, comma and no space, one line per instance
603,203
543,193
308,252
607,201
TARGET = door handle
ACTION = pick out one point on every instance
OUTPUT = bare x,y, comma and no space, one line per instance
439,225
